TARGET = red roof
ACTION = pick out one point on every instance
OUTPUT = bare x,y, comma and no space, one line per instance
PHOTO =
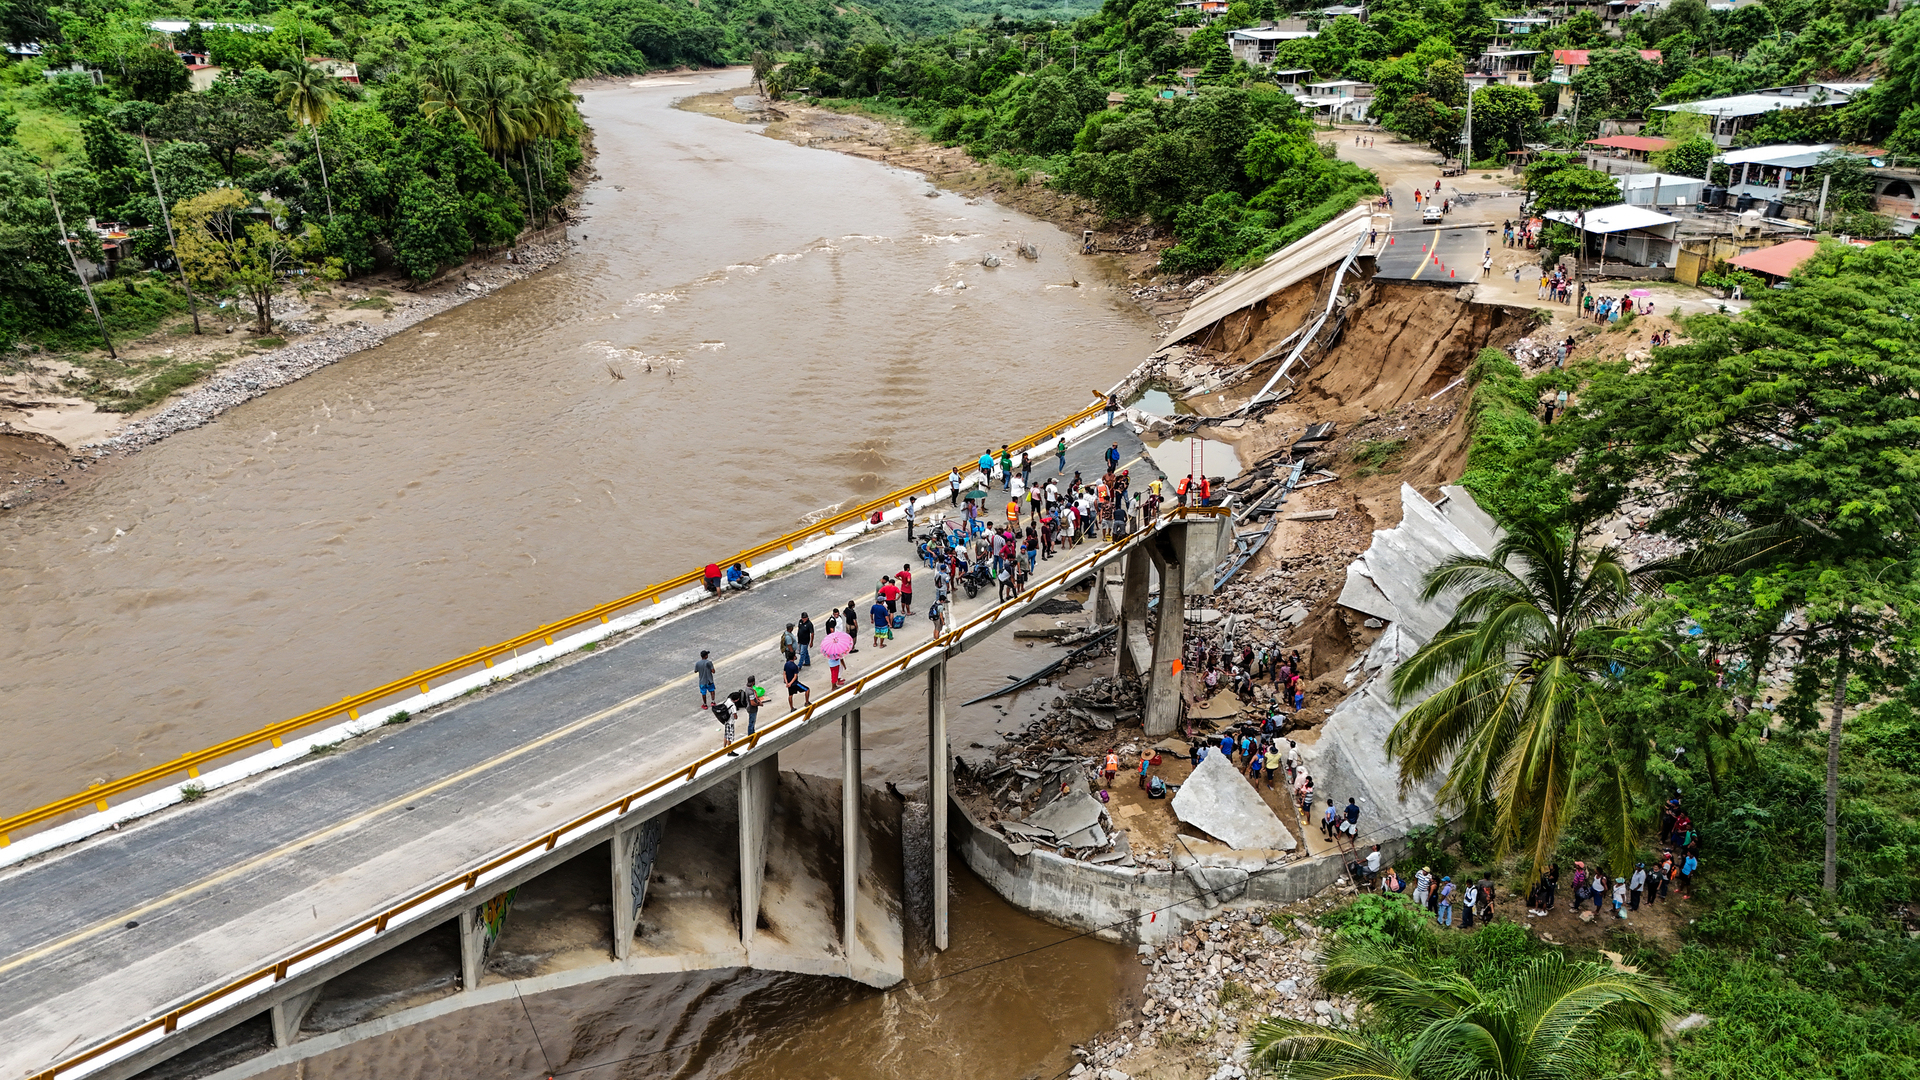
1631,142
1778,260
1578,57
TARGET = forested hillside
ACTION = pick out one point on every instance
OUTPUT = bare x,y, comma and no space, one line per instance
456,132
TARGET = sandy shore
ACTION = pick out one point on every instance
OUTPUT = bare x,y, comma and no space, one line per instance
52,446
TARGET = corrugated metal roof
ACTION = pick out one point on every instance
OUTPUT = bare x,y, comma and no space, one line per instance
1778,260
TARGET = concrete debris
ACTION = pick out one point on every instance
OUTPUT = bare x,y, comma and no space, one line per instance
1313,515
1218,800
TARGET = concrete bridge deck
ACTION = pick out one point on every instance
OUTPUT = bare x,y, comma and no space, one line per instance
106,934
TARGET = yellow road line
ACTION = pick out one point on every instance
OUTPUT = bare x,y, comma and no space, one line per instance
366,815
1426,259
315,838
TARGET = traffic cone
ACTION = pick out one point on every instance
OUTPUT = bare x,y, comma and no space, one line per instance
1449,273
1389,241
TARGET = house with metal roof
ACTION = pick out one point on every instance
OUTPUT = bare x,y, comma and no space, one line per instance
1624,233
1771,173
1256,45
1728,116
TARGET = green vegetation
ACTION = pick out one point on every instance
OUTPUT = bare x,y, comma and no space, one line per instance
1781,446
460,133
192,792
1374,455
1516,1012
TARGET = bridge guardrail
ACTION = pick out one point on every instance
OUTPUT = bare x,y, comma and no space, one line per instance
189,764
170,1020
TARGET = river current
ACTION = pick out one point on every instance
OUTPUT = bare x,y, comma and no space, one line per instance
796,329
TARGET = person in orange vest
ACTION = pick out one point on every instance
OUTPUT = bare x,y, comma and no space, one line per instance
1013,512
1113,767
1206,492
1182,488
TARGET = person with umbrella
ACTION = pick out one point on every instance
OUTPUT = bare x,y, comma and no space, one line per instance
852,619
835,647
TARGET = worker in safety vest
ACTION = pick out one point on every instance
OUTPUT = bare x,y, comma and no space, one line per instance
1013,512
1182,488
1206,492
1113,767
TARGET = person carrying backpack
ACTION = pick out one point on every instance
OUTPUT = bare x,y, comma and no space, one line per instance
723,712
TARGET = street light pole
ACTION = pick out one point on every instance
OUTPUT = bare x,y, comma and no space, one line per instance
1466,135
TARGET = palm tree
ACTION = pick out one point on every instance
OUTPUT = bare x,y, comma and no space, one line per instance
1546,1022
308,94
1519,672
442,79
493,101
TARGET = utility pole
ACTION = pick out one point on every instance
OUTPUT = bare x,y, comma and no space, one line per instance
1466,136
172,245
73,258
1821,217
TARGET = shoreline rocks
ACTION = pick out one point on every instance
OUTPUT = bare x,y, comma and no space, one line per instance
254,376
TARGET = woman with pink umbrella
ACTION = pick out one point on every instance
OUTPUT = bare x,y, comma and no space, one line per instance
835,648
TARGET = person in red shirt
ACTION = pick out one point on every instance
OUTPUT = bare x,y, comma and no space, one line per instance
890,593
905,578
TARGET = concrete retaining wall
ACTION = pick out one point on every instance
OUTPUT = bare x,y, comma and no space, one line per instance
1125,904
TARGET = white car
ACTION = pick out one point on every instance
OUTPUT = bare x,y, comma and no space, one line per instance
1431,215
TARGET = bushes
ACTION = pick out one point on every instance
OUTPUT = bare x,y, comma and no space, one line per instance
1504,472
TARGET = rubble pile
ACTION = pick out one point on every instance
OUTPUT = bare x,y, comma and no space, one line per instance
1208,987
1037,789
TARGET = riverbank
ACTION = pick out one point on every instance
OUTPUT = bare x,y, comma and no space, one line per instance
56,443
1134,244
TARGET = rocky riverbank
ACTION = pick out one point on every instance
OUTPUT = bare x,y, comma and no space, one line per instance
1209,987
39,475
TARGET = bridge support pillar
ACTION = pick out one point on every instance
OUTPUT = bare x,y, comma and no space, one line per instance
1133,651
939,777
634,850
288,1014
480,927
758,783
1169,553
849,829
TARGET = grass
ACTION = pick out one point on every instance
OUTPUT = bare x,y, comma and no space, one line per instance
1373,455
1235,995
132,305
322,749
268,342
400,717
192,792
372,303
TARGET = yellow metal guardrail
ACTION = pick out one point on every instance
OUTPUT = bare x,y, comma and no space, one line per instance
279,970
189,764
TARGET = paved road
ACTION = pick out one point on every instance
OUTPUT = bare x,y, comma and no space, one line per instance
1411,254
118,928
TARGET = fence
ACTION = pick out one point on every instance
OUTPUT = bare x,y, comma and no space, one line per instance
826,707
189,765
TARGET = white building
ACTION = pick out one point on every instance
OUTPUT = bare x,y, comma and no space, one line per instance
1629,234
1660,189
1256,45
1728,115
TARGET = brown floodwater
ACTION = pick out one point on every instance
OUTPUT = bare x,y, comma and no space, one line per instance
796,328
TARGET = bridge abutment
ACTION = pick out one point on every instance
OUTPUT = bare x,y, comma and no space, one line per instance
757,785
939,781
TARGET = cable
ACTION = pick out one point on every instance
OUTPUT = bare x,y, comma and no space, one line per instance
537,1041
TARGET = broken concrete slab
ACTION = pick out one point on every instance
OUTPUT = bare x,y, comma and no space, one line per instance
1217,800
1067,815
1313,515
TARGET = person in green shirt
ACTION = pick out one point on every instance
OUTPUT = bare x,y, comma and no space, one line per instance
1060,451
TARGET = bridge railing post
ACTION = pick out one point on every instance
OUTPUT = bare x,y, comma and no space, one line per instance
1169,638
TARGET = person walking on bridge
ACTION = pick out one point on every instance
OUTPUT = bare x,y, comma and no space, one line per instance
882,623
804,635
791,673
1060,451
1113,408
852,618
703,671
953,488
1113,458
905,580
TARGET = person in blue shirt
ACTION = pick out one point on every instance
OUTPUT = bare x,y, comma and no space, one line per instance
1227,746
882,622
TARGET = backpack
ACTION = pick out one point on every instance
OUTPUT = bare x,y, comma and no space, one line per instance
722,711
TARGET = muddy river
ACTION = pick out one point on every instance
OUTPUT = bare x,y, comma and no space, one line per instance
795,329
